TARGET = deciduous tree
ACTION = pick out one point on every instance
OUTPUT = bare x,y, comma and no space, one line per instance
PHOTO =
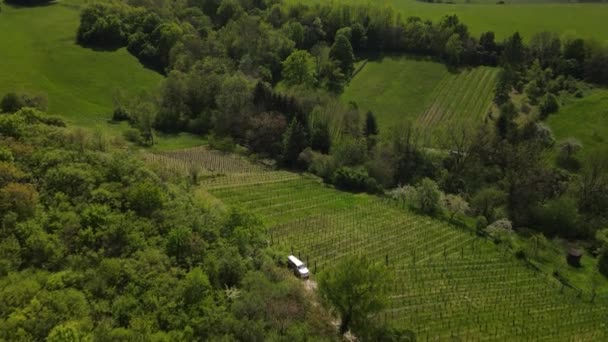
299,69
342,51
356,288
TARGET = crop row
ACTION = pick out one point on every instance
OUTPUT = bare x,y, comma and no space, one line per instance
459,101
447,283
203,160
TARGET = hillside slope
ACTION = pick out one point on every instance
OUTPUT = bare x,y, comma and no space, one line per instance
448,282
39,54
585,119
424,93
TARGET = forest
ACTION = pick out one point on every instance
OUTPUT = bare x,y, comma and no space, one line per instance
96,246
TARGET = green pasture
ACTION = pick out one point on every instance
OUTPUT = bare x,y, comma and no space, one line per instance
528,17
396,89
585,119
39,55
424,93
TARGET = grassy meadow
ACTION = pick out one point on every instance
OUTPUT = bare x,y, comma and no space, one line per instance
39,55
395,88
528,17
424,93
585,119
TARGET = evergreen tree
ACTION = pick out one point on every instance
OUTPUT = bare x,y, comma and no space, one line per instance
295,140
505,125
342,51
549,105
514,53
371,126
321,140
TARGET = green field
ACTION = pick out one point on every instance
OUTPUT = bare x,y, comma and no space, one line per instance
425,93
448,283
586,120
39,55
583,19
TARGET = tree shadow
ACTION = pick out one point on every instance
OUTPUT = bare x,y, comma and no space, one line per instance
29,4
375,56
99,47
378,56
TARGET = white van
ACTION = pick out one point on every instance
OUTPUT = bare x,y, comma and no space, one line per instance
298,267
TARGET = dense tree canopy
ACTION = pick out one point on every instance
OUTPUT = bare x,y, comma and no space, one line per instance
299,69
356,289
95,246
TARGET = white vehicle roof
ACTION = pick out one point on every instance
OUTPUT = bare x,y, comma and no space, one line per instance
295,261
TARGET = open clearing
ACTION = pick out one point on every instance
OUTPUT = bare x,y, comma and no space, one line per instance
39,55
528,17
448,283
586,120
424,93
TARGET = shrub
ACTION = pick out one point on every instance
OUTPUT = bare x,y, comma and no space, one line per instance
602,263
568,149
34,116
487,201
19,198
481,223
52,121
145,198
224,144
120,114
5,154
544,134
10,103
559,216
428,198
455,205
548,106
13,102
10,173
350,152
354,179
12,125
520,254
533,91
133,135
381,170
500,230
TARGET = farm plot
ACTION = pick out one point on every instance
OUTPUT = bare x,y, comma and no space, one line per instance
496,299
458,101
448,283
202,159
399,90
395,88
